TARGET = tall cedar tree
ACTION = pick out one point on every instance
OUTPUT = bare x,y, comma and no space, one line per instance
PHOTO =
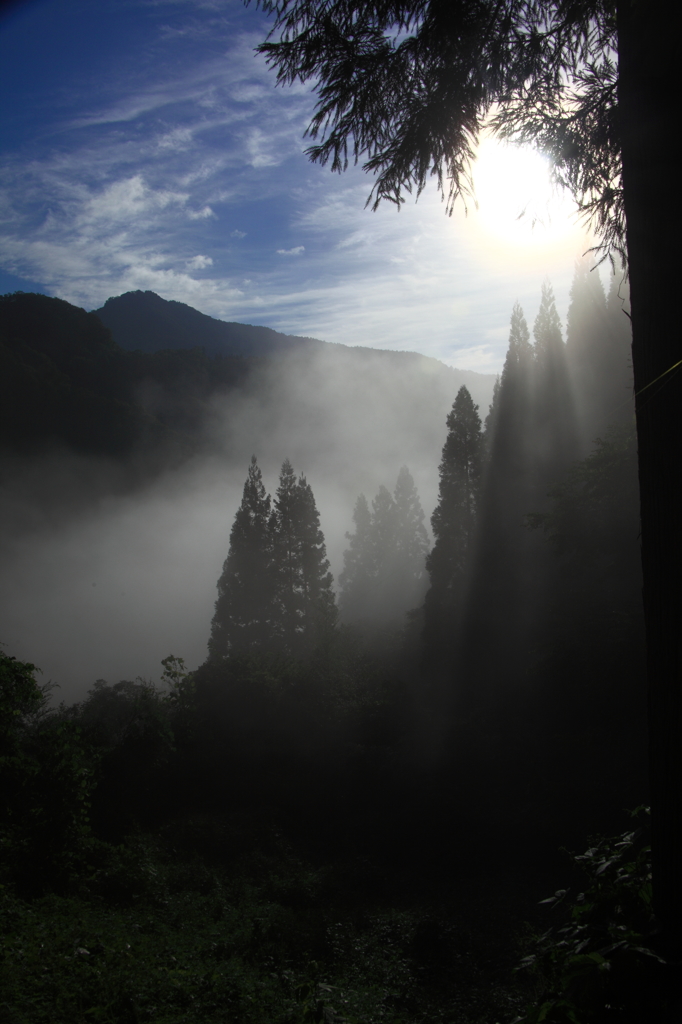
356,580
454,523
317,582
598,339
383,551
555,431
412,543
285,531
383,575
243,612
503,563
507,424
409,86
490,424
305,608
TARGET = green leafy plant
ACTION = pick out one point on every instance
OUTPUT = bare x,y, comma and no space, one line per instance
47,776
597,964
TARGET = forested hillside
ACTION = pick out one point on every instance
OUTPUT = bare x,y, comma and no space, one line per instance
66,382
145,374
348,807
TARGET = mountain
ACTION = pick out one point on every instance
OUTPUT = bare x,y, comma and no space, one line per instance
144,322
124,468
169,374
64,381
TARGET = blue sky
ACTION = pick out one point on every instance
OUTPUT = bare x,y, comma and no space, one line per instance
144,145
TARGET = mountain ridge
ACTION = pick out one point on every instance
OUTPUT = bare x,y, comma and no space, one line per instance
144,321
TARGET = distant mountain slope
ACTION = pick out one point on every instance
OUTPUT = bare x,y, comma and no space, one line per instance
144,322
64,380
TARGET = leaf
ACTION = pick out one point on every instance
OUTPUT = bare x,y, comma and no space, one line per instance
650,952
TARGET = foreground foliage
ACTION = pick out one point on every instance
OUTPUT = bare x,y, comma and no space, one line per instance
597,965
154,934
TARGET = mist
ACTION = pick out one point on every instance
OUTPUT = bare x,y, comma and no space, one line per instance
105,572
423,731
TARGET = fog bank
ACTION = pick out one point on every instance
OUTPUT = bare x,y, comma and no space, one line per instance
103,582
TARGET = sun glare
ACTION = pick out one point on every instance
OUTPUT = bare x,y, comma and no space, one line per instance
517,202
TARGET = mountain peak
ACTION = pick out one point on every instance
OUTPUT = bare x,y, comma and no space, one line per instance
145,322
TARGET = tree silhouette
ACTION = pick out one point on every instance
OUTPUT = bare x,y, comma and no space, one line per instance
303,596
384,566
285,528
411,540
356,580
503,588
509,424
598,339
555,431
317,594
243,612
454,520
408,86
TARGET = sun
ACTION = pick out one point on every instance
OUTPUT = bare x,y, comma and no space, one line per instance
517,202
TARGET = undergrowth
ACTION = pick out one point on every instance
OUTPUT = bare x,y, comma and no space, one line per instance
153,934
596,964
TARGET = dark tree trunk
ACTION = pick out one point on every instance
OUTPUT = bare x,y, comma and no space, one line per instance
648,40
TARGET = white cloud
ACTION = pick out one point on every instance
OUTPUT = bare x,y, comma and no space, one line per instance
199,263
202,214
237,234
126,199
178,138
296,251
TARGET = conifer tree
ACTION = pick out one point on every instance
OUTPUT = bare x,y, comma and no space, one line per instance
587,332
357,578
501,560
243,610
383,525
285,530
454,519
598,347
383,547
317,591
586,320
411,541
507,488
554,428
383,575
491,419
304,599
509,423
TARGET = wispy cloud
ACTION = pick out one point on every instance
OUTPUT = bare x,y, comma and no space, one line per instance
123,191
201,214
199,263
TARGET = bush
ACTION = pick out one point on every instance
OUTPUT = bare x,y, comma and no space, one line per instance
47,776
597,966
